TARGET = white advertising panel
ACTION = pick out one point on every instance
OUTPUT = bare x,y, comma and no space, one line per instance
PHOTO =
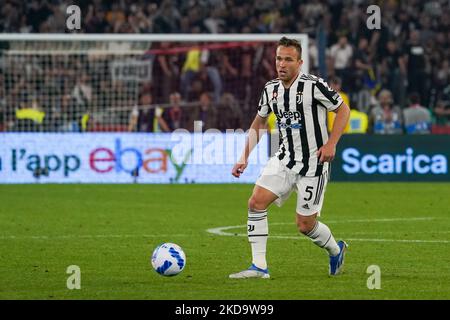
114,158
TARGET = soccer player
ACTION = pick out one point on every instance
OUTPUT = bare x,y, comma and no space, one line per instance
300,103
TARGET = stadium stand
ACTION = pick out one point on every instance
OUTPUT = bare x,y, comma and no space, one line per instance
408,56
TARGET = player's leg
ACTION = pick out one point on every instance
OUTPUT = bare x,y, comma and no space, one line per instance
318,232
258,232
311,191
257,224
271,185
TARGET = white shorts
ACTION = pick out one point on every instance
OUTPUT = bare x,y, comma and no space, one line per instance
277,178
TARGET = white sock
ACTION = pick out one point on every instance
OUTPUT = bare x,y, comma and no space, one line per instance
322,237
258,231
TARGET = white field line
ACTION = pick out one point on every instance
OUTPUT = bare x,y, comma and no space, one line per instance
382,220
222,231
219,230
403,232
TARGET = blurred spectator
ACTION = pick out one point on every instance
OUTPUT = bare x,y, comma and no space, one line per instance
386,118
214,23
82,96
210,61
166,72
37,14
115,17
268,71
358,121
442,77
145,117
263,70
204,114
138,21
366,78
230,70
231,115
96,20
2,104
417,117
394,69
341,53
313,56
175,116
167,18
416,62
336,85
238,71
29,115
442,109
190,68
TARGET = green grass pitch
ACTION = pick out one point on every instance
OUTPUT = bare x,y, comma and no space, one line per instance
110,231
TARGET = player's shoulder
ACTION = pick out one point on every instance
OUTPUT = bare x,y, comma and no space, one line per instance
272,82
310,77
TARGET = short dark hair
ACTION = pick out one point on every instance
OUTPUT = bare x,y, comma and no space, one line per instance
286,42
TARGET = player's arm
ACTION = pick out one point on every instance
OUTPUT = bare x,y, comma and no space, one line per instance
163,124
332,101
327,152
257,129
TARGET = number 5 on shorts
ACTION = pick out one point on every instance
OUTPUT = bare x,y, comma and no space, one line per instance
309,192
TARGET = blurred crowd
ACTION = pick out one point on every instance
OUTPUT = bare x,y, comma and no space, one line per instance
395,79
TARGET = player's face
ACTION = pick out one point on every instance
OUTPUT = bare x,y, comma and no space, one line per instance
288,63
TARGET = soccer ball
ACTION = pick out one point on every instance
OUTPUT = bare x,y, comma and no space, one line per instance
168,259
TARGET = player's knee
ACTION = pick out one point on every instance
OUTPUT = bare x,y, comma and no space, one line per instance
305,226
254,203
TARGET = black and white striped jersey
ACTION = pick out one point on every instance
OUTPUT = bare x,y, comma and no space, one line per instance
301,113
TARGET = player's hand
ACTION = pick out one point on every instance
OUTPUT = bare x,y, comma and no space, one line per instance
326,153
239,168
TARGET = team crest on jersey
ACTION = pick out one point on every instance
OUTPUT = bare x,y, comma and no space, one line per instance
299,97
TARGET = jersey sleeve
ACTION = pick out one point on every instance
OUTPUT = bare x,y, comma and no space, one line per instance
264,109
327,97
